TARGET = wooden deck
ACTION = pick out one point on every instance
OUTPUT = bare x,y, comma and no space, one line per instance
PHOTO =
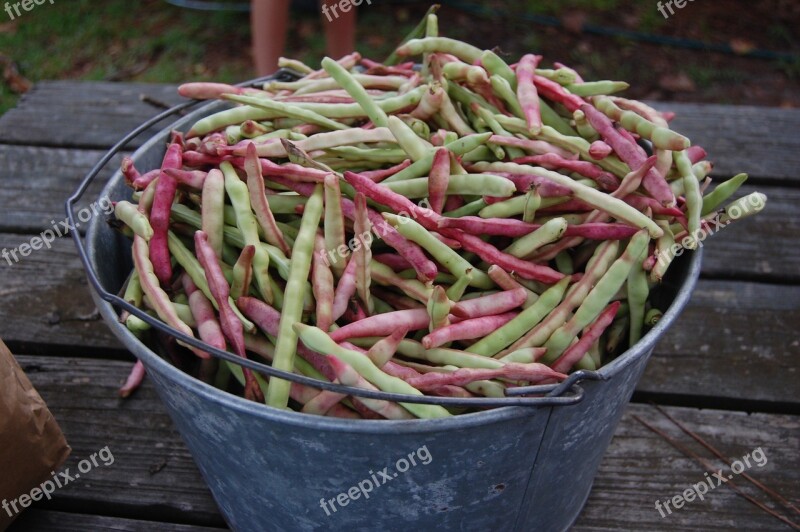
728,369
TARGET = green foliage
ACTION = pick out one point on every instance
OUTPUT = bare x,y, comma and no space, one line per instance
554,8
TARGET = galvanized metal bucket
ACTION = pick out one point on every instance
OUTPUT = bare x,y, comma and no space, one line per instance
510,468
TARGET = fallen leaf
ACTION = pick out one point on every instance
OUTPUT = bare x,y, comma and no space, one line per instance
11,76
9,27
679,82
573,20
742,46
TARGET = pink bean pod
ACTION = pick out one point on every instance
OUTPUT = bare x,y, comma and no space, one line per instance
345,290
214,144
644,110
158,298
206,90
545,187
556,93
268,319
383,350
599,150
398,203
551,161
350,377
322,285
642,203
492,304
355,312
195,159
292,171
430,103
166,187
403,372
393,260
453,202
129,171
576,351
258,201
141,182
229,322
208,326
383,324
466,330
381,174
527,94
134,380
631,138
492,255
536,146
696,154
426,269
191,178
531,373
655,184
514,228
438,179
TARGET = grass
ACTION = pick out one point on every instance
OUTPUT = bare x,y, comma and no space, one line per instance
153,41
157,42
117,39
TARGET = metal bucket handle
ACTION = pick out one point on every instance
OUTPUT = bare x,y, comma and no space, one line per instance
565,393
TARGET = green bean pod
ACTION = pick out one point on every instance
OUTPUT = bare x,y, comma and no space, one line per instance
423,166
596,88
638,291
456,290
597,298
334,223
297,287
694,200
320,342
129,214
547,233
503,89
356,91
526,320
285,109
246,222
449,258
212,210
469,184
721,193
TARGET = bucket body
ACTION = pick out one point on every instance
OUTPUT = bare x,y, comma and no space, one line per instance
510,468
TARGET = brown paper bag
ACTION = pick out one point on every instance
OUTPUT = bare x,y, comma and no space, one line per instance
31,443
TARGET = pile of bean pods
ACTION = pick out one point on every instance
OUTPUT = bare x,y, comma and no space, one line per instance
452,230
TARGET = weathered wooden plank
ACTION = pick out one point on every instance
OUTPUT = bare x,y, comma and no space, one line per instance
758,140
46,520
734,341
84,114
152,475
762,247
761,141
35,182
44,299
639,466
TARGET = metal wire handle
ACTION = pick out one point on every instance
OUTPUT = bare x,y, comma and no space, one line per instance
565,393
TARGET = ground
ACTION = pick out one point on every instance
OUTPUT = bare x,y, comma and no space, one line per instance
153,40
